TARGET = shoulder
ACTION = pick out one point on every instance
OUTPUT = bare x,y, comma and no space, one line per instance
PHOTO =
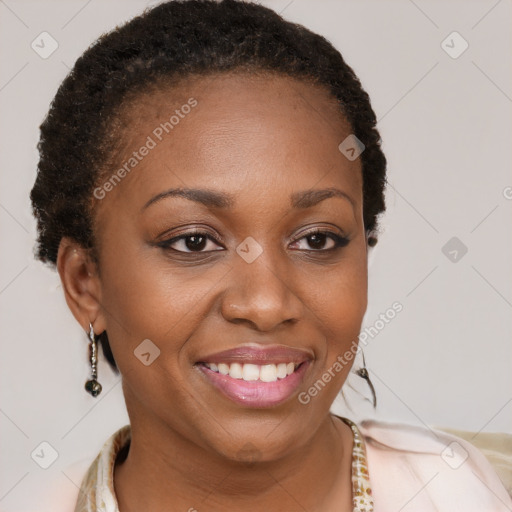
422,469
91,480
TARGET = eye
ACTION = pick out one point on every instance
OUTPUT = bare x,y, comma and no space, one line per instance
202,242
319,240
195,241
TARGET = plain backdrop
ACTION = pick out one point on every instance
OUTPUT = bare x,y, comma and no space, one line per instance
445,119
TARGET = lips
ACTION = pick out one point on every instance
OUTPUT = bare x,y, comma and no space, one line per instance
256,376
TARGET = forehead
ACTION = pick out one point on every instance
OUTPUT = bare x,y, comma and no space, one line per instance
225,130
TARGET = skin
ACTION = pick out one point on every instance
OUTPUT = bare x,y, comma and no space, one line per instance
259,139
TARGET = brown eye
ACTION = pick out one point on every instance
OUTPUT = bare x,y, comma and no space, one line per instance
195,242
321,241
191,242
318,240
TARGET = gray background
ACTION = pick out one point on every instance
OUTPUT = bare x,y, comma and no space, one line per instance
445,360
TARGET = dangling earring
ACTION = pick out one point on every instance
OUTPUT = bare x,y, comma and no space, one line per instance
363,373
93,386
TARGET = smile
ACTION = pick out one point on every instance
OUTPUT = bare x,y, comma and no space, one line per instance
256,376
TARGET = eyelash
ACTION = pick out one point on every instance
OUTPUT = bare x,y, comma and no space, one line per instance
339,241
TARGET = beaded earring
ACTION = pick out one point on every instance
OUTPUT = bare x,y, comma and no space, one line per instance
92,386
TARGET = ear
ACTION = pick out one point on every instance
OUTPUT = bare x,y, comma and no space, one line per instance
81,284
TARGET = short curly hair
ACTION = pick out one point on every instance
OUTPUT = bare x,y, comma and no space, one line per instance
172,41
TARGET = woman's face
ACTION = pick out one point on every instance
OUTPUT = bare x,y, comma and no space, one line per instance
246,266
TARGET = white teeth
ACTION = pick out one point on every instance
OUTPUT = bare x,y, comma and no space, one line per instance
281,370
235,371
223,368
268,373
252,372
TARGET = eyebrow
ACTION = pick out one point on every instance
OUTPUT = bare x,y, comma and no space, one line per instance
213,199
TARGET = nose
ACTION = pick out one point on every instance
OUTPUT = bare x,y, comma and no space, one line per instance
262,295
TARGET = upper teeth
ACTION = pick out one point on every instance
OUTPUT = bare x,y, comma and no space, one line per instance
249,372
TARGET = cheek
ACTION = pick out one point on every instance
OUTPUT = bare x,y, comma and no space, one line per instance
147,300
344,290
343,305
144,297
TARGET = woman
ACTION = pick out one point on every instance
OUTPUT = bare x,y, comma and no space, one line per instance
209,187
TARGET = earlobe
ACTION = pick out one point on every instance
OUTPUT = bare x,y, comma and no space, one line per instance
81,284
